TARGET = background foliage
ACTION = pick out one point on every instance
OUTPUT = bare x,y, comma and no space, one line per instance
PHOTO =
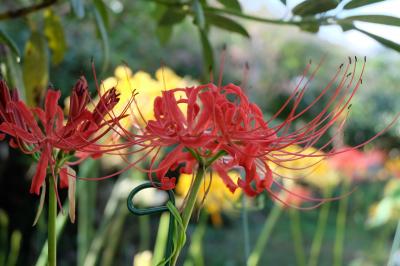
54,42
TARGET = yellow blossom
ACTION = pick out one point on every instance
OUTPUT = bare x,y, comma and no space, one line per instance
217,197
146,87
311,170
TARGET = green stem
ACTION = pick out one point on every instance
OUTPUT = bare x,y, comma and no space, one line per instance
245,223
262,240
161,240
61,221
340,227
51,226
297,236
191,201
319,234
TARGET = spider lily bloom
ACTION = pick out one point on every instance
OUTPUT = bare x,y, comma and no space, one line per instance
222,129
44,134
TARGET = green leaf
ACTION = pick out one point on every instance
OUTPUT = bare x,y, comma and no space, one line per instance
164,34
12,72
226,24
207,50
104,37
231,4
35,67
78,7
359,3
172,16
312,7
378,19
199,20
385,42
4,38
41,204
54,32
103,10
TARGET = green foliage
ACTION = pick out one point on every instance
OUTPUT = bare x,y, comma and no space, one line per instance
78,8
360,3
54,32
227,24
312,7
5,39
35,67
101,27
231,4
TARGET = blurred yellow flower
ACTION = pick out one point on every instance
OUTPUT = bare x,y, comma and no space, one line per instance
393,166
146,87
143,258
311,170
217,197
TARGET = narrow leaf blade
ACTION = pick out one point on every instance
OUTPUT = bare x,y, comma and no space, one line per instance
226,24
385,42
231,4
359,3
4,38
378,19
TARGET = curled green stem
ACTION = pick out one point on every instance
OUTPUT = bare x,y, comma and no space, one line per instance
190,203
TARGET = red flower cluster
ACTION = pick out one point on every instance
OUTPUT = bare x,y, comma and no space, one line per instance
44,134
217,126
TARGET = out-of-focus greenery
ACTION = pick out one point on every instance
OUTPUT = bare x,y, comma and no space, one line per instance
57,44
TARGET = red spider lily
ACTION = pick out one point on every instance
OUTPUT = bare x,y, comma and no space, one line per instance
217,126
44,134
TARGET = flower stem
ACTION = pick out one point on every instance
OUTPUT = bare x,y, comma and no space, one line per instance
341,227
297,236
191,201
319,234
51,224
262,240
245,224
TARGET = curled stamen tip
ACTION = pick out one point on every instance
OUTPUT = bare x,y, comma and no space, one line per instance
365,58
224,47
355,58
348,107
92,59
349,60
361,80
341,65
348,75
310,61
